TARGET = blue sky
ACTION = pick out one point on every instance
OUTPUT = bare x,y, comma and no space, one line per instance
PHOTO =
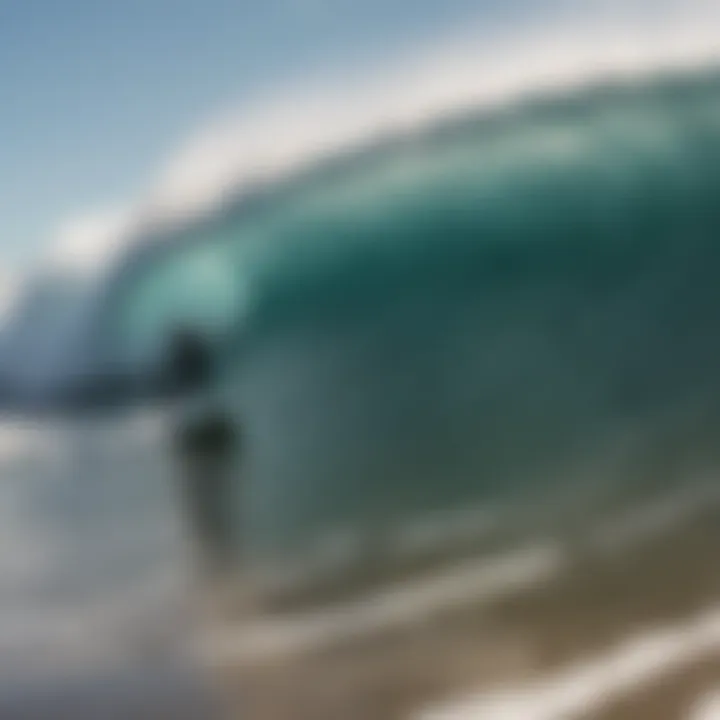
96,94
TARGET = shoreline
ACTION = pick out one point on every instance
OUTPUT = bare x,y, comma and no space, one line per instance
508,641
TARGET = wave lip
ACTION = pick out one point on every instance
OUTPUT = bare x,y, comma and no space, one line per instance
293,128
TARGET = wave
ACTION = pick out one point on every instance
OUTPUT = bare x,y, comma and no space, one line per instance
587,183
505,300
289,128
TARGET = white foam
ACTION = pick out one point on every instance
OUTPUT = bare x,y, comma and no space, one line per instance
587,686
91,241
707,707
17,439
474,581
478,580
474,70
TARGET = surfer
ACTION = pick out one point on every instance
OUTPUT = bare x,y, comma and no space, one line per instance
205,444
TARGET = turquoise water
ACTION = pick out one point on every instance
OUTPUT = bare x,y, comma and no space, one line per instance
485,312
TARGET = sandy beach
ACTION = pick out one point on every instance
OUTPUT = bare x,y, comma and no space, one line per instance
515,643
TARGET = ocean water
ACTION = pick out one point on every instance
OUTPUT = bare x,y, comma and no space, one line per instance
497,311
513,314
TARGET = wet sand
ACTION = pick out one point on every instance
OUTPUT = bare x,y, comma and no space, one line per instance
591,607
677,696
584,612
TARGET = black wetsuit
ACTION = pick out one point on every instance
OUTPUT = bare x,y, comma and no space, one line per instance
206,446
